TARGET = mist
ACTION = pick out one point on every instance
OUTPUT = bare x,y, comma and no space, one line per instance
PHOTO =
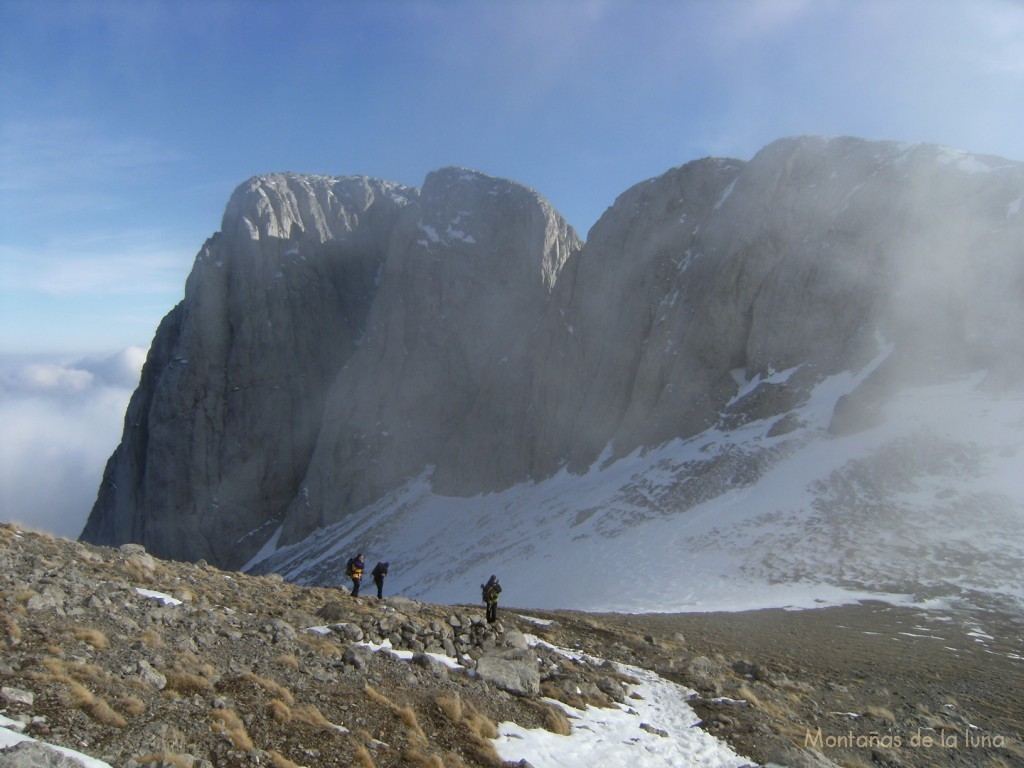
62,420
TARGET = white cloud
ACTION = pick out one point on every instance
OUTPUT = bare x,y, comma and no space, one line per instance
61,422
51,377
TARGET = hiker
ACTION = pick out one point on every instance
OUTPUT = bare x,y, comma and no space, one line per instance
491,591
354,570
380,570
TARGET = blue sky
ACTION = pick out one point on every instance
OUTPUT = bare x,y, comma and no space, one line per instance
125,125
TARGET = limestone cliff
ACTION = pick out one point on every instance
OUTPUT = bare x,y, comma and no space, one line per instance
218,436
341,336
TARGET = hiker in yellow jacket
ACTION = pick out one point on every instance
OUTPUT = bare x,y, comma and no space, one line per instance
354,570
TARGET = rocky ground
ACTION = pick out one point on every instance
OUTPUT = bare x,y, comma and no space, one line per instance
96,660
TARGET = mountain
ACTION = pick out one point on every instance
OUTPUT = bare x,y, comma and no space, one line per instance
779,381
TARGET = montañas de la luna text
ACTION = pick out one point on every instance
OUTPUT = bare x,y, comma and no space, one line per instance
919,740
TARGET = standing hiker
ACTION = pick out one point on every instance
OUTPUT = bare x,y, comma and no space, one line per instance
491,591
380,570
354,570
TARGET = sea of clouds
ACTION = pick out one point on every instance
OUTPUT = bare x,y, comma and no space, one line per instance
61,421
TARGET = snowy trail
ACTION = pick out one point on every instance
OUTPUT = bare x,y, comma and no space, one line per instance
617,736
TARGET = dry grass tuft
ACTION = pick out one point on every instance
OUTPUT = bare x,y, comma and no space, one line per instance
11,629
280,761
552,691
479,728
136,572
271,687
403,713
938,724
280,711
414,757
411,723
68,672
131,705
752,698
309,713
451,706
554,720
480,725
151,639
777,710
186,682
96,707
364,757
323,646
190,663
287,660
93,637
881,713
228,722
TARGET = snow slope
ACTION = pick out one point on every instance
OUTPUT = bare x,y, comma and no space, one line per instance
921,507
616,736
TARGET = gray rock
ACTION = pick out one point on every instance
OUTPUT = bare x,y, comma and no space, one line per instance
350,632
31,754
333,611
151,676
513,638
17,696
51,598
283,632
358,656
435,666
750,669
517,676
705,674
402,604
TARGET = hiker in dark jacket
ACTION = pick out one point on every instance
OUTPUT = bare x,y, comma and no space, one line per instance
354,570
380,570
491,591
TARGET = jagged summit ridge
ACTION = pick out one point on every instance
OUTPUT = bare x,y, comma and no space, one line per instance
287,205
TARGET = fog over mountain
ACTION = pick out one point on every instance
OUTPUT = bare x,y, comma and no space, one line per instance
791,378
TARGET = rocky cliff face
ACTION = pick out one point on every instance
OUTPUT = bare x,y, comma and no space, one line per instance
445,375
341,336
219,434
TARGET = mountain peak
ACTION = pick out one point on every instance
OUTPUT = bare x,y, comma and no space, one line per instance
355,360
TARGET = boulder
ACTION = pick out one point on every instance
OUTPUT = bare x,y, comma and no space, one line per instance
32,754
516,675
